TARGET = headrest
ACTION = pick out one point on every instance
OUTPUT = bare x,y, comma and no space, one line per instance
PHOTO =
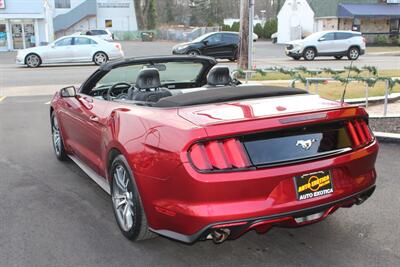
148,78
219,75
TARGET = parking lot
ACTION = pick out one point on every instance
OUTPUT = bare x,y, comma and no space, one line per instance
266,54
52,214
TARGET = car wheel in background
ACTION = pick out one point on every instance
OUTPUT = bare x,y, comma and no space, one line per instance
353,53
33,61
193,53
296,57
309,54
235,56
338,57
100,58
127,205
58,144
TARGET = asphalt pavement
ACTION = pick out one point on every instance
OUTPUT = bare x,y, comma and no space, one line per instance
52,214
266,54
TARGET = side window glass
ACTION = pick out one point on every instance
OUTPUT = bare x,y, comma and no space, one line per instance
82,41
64,42
328,37
215,38
343,35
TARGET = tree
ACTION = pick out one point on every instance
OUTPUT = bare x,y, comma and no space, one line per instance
168,10
258,29
152,15
270,27
139,14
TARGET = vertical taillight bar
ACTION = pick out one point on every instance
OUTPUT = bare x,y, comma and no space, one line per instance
353,134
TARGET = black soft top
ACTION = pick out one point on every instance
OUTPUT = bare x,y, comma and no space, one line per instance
225,94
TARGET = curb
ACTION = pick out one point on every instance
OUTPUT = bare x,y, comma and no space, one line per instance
387,137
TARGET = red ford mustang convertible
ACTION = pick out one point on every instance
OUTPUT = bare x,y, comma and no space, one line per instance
189,153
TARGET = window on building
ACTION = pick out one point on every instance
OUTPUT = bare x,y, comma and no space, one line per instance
108,23
62,3
394,25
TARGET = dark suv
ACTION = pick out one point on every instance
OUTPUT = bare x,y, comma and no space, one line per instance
214,44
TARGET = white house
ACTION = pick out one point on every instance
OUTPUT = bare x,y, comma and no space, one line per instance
295,19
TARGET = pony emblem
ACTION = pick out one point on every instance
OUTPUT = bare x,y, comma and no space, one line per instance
305,144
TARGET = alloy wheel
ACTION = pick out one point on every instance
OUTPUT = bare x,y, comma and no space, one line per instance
56,136
33,61
353,54
100,58
310,54
122,198
193,53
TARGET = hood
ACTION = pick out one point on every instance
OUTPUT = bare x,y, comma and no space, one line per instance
255,109
37,49
294,42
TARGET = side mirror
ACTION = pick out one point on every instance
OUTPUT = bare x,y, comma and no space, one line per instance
69,91
205,42
52,45
321,39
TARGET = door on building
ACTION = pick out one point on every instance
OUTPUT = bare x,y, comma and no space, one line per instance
3,37
17,36
29,35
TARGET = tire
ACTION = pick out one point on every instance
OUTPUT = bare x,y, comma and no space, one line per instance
353,53
100,58
33,60
126,202
309,54
58,143
296,57
235,56
193,53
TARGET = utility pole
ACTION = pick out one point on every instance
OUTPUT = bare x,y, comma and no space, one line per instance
246,34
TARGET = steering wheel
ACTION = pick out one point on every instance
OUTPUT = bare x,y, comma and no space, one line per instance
110,91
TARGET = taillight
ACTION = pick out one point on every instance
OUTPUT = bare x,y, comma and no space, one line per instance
118,46
228,154
364,40
359,133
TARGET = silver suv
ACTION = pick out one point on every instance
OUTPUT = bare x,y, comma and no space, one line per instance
327,43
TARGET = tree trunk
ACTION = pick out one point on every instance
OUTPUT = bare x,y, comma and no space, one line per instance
139,14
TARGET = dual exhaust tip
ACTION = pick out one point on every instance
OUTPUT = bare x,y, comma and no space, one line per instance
218,236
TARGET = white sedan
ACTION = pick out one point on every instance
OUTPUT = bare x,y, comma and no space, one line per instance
71,49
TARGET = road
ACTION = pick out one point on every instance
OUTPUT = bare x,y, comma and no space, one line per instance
52,214
265,54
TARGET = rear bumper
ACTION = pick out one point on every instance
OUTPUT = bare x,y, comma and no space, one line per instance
189,204
263,224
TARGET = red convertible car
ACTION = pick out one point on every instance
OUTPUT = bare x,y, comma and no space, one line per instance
189,153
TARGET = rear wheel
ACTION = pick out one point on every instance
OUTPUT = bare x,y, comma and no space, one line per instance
309,54
58,143
235,56
338,57
353,53
100,58
127,205
33,61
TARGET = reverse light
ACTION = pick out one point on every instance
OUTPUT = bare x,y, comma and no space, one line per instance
228,154
360,133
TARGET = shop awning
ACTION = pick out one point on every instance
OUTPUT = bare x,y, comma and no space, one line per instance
368,11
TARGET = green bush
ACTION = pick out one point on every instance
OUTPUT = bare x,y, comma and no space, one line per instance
226,28
381,40
235,27
258,29
270,27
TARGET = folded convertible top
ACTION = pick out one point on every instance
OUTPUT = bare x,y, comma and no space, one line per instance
224,94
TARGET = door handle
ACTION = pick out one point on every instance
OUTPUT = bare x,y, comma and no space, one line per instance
94,118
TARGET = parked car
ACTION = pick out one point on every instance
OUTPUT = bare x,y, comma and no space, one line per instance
71,49
103,34
188,153
328,43
215,44
274,37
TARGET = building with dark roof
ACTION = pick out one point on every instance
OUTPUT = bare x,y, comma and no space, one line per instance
371,17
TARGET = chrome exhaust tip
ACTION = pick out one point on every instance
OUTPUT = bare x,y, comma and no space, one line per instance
219,235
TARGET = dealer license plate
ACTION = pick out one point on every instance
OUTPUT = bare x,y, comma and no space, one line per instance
314,184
